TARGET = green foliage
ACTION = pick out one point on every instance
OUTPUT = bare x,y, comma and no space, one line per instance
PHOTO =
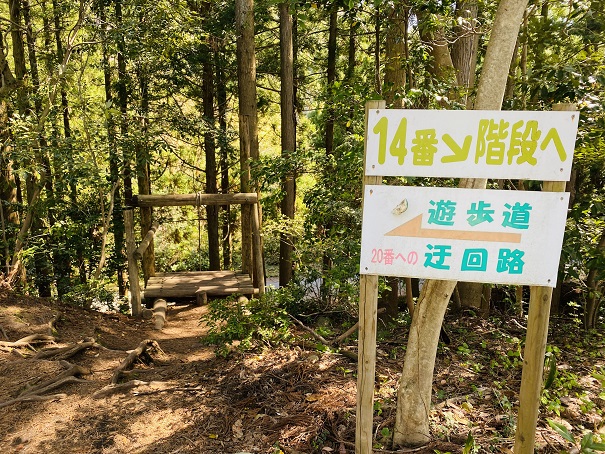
587,444
238,323
96,294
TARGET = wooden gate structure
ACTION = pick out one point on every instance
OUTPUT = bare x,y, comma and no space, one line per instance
196,285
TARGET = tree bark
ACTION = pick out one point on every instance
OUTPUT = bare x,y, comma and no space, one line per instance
594,295
248,123
395,59
465,48
143,158
414,394
210,152
221,95
288,140
115,175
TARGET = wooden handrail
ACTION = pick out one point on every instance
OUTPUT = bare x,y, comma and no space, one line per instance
164,200
138,253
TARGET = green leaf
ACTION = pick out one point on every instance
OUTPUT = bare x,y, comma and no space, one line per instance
561,430
552,371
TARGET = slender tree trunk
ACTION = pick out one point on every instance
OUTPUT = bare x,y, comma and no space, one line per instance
414,394
593,301
288,140
393,92
332,48
8,189
442,67
465,48
330,121
395,62
123,102
114,158
221,95
377,50
248,129
143,159
210,149
18,10
62,257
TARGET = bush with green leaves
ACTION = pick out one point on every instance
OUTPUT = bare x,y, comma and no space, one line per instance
248,324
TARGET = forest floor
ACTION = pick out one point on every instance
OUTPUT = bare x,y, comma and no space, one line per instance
181,398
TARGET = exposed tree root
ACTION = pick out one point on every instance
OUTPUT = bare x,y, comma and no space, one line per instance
34,393
67,376
3,333
63,353
27,342
137,353
51,324
154,387
34,398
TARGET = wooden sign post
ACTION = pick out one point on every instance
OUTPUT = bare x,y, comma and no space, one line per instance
535,348
462,234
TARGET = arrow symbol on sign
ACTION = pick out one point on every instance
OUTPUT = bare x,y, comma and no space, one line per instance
413,228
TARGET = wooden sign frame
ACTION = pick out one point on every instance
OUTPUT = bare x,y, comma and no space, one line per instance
533,357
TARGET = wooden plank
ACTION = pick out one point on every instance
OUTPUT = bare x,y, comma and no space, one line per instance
191,293
366,366
190,284
535,347
165,200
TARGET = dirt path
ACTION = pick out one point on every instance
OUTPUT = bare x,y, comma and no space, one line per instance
289,399
186,399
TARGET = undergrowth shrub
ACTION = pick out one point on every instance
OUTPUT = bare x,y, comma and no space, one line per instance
235,322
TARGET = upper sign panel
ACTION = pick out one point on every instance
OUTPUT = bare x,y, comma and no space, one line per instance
471,144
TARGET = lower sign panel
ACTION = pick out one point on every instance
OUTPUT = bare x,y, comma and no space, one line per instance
502,237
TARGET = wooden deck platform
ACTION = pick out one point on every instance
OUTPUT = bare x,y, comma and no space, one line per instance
189,284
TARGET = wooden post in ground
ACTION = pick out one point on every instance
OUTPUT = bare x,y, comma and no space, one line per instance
535,347
368,306
258,277
159,313
133,267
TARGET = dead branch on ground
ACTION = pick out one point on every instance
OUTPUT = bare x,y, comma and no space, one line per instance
336,342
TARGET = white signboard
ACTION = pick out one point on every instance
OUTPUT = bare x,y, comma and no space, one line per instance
471,144
507,237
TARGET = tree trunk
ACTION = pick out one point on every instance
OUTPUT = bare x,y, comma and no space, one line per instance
377,50
465,47
43,274
329,132
414,394
221,95
395,60
8,188
114,158
442,67
393,92
143,159
248,126
595,296
210,152
62,257
288,140
123,102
